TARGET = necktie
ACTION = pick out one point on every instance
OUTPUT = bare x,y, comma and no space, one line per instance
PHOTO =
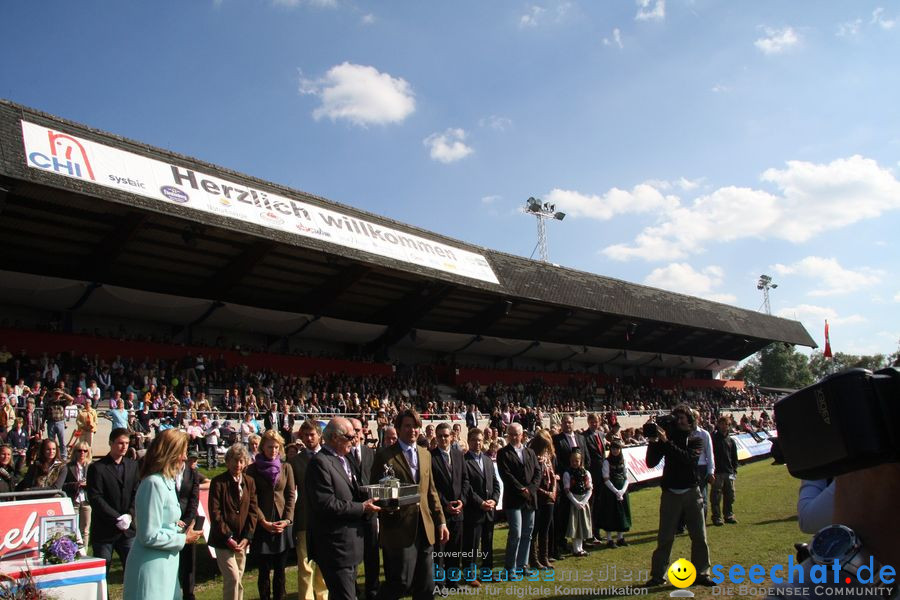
412,464
447,457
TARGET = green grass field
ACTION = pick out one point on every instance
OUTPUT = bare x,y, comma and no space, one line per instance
765,534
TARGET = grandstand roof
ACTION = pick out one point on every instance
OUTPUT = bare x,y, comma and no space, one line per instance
84,205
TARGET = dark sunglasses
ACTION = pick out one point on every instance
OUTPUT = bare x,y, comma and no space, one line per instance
348,436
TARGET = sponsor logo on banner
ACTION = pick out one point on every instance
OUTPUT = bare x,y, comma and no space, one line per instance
271,217
174,194
63,154
636,463
69,156
21,524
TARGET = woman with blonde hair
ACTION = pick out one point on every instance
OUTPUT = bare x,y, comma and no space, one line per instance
152,568
275,496
76,487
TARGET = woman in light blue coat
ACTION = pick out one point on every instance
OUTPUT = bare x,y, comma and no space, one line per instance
152,568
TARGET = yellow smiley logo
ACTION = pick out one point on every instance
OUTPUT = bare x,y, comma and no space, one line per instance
682,573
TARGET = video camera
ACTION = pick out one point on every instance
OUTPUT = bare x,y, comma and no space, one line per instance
846,422
668,423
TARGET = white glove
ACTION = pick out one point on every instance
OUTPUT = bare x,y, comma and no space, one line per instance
123,522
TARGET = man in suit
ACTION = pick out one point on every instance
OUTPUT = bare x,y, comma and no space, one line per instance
112,484
310,584
451,481
521,476
564,443
187,488
596,452
336,511
407,535
361,459
478,512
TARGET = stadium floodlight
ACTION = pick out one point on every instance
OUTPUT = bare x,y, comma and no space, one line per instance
764,285
543,211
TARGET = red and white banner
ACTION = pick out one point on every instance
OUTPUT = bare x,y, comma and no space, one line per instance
21,524
84,579
636,464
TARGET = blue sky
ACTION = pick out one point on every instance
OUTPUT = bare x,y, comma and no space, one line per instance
693,144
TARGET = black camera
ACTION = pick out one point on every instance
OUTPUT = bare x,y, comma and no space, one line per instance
667,423
846,422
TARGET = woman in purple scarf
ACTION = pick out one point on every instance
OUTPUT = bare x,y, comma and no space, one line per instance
273,540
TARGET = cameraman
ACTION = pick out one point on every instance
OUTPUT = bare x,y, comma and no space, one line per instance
681,496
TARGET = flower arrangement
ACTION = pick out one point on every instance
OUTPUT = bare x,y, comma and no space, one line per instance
61,548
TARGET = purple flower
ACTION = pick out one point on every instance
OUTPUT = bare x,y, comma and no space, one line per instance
64,549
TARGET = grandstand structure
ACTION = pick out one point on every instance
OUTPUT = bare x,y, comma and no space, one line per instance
102,233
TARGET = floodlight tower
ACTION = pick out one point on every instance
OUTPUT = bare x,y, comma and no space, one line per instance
765,284
541,212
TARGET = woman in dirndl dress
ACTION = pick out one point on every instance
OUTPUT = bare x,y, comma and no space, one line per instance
615,508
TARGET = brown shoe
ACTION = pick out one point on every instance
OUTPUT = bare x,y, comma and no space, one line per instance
475,583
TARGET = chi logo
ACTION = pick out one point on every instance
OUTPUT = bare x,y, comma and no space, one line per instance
270,216
61,160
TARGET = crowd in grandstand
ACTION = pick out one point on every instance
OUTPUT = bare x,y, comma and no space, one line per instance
229,415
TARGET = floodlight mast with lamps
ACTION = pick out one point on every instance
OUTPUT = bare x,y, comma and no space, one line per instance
541,212
765,284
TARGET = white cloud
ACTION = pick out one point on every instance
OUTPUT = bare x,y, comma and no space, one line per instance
651,10
449,146
897,297
531,18
720,88
641,199
879,19
830,274
616,39
495,122
811,199
814,316
368,19
777,41
361,95
491,199
683,278
850,28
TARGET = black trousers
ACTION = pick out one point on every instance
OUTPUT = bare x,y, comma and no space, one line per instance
409,570
453,545
479,536
340,581
186,561
274,564
371,558
560,518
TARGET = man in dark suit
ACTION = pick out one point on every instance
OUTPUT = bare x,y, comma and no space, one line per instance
478,512
407,535
472,417
452,484
361,459
310,585
596,452
187,486
564,443
336,511
520,473
112,484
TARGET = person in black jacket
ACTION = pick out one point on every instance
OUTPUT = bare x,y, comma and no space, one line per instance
336,511
478,511
112,484
452,483
725,453
564,443
520,474
187,486
680,496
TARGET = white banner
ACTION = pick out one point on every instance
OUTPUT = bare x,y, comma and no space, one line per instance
70,156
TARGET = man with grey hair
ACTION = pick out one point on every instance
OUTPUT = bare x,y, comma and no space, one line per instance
337,511
520,474
390,436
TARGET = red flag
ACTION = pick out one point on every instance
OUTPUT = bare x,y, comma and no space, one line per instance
827,353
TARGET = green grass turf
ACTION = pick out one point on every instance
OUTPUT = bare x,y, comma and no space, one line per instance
767,529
